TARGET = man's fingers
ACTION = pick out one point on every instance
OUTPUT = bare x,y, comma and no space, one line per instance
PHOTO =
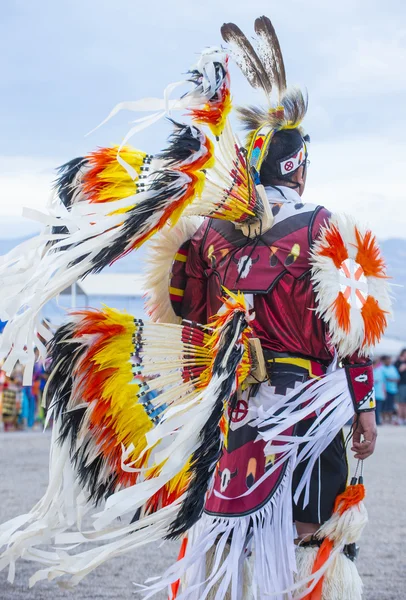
360,445
363,456
365,427
364,449
356,437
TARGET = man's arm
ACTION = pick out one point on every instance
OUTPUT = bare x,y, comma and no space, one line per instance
357,365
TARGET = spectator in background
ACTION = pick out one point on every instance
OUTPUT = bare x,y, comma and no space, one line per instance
33,393
392,377
38,384
29,406
11,398
400,364
380,389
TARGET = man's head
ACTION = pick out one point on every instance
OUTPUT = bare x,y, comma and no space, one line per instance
386,360
403,354
286,161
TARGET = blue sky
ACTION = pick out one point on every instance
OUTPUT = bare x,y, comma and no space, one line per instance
66,63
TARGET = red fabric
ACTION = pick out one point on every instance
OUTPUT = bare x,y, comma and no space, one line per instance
285,317
196,298
360,379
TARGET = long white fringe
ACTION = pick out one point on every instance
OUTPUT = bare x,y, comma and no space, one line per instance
267,533
272,544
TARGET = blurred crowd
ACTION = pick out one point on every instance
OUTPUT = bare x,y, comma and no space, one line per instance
390,389
21,406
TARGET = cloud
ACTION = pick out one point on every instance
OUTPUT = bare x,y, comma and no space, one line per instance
354,175
73,61
368,64
361,177
25,181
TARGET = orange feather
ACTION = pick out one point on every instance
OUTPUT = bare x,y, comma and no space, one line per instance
375,321
334,246
369,255
342,311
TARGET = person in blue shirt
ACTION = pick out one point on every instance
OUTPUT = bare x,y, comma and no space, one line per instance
392,377
380,389
400,364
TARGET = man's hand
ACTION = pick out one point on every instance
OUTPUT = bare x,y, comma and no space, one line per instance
364,425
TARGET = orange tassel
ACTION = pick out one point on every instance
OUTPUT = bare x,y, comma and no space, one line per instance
354,494
322,557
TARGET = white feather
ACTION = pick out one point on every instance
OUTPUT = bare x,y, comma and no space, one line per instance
161,254
326,282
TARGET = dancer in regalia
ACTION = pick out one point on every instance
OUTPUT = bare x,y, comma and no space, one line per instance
218,421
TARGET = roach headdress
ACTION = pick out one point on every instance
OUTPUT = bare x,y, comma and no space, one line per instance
264,69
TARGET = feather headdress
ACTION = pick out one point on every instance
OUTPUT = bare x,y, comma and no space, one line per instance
264,69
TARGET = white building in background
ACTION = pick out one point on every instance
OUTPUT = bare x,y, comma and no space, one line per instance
123,291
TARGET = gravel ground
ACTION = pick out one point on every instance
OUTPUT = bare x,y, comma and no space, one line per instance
382,561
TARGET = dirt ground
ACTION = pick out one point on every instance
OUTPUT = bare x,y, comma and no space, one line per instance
382,561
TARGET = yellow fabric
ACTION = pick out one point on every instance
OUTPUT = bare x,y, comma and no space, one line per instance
176,291
180,257
299,362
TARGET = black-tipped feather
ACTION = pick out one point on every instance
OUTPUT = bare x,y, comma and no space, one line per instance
270,52
89,475
65,354
183,142
207,455
68,186
246,58
294,105
170,185
66,183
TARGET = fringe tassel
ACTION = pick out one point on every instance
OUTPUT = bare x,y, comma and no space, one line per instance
219,552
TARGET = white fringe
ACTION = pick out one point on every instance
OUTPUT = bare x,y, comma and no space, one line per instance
244,568
330,399
269,570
